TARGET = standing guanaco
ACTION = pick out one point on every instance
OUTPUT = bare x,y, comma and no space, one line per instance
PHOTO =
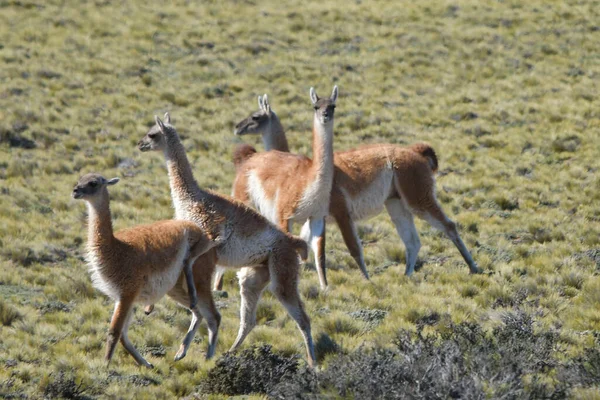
140,264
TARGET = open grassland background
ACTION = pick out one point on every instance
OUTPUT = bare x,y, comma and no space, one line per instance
506,92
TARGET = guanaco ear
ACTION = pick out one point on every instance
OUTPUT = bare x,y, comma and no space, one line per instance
159,123
167,118
260,103
334,94
313,96
112,181
266,105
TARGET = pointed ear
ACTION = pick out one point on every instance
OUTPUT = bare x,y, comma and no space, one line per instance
334,94
313,96
112,181
266,105
159,123
167,118
260,103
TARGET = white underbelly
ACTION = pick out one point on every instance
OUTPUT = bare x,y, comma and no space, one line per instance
154,288
158,285
246,251
371,201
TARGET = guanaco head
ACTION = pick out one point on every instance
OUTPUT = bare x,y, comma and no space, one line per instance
155,139
90,185
324,107
258,121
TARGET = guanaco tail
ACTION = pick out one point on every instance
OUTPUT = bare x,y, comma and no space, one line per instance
367,179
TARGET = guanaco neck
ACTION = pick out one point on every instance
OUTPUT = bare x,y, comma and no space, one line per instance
274,137
322,161
184,188
100,229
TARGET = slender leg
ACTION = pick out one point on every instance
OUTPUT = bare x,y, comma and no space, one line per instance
213,319
129,346
305,232
405,226
351,239
436,217
253,281
116,328
284,273
218,285
201,305
317,243
421,200
191,285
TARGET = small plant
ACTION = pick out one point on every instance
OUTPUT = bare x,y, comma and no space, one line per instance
65,386
256,370
8,314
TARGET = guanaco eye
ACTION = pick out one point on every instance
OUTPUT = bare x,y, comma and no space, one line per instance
255,117
152,135
316,108
93,184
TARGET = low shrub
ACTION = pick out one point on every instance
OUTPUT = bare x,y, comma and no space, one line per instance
463,361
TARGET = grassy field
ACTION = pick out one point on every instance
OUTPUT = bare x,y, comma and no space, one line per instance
506,92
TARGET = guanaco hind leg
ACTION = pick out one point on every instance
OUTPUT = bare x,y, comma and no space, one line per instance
405,226
201,305
350,235
284,284
218,282
253,280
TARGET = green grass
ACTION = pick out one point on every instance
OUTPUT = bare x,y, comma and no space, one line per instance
506,92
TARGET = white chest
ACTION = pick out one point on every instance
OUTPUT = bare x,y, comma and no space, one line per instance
371,200
315,200
100,281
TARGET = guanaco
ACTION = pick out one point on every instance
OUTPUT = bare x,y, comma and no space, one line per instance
140,264
243,237
289,188
367,179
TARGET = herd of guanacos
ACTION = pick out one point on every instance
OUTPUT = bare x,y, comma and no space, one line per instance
179,257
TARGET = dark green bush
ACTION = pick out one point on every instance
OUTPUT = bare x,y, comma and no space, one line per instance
462,362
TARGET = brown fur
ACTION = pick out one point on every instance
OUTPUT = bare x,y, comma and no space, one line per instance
241,237
276,171
412,190
287,188
124,265
242,153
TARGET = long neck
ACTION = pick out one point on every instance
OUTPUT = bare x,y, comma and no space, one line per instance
184,188
322,148
274,137
100,230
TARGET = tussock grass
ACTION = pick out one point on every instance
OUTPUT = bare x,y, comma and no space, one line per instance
8,314
505,92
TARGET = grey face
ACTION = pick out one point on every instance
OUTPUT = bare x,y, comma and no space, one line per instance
256,123
90,185
154,140
324,107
